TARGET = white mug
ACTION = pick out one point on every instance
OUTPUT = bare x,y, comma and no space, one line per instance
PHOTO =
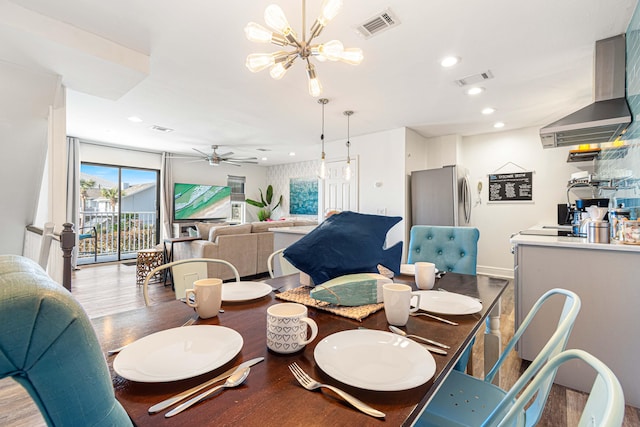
397,303
207,294
425,273
287,327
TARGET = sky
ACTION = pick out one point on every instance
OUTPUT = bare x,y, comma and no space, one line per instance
130,176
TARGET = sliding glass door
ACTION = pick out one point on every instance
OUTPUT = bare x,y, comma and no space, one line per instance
118,212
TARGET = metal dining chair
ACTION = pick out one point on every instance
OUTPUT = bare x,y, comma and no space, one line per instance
463,400
50,348
605,405
453,249
184,273
285,266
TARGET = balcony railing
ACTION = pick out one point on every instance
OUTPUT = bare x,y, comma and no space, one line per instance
137,231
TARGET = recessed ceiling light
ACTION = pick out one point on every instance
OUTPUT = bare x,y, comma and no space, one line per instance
498,125
488,110
450,61
264,159
475,90
292,154
134,119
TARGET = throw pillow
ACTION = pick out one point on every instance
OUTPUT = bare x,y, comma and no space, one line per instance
346,243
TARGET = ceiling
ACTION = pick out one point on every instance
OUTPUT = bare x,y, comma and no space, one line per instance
180,65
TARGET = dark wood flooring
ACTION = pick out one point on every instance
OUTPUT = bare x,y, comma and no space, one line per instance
111,288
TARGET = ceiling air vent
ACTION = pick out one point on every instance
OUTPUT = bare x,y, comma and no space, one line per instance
161,129
476,78
378,23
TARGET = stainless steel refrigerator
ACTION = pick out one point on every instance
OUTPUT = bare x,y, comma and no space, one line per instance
440,196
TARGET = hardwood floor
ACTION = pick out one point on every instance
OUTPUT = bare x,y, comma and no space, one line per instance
111,288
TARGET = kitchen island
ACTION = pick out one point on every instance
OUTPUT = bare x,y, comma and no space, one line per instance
606,277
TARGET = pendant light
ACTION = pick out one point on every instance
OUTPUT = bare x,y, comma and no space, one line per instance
323,166
347,171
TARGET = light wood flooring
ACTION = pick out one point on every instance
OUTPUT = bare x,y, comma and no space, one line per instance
111,288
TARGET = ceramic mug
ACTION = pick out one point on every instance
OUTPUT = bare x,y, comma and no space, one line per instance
425,273
397,303
287,327
207,297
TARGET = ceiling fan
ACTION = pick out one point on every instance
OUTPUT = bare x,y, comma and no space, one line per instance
215,159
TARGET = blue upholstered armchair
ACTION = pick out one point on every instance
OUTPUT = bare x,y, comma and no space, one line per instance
49,346
452,249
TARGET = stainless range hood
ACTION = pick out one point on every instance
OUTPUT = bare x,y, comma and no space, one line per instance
609,115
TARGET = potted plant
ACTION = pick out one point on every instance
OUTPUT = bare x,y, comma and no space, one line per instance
264,204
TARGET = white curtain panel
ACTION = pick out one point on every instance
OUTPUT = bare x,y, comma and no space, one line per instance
166,195
73,189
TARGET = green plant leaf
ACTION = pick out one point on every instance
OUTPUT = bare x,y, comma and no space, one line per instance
254,203
269,194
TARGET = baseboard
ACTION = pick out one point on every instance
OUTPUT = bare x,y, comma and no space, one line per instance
505,273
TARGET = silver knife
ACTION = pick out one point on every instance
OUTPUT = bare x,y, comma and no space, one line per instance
181,396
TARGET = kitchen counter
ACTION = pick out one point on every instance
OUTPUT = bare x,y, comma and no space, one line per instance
566,241
605,277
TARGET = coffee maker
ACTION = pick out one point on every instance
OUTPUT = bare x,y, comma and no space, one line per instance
578,212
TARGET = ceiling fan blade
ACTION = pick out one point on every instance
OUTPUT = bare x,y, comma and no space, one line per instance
229,162
204,154
225,154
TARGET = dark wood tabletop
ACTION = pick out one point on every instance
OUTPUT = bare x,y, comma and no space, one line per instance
271,396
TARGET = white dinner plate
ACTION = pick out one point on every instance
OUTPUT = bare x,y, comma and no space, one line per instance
410,269
244,291
374,360
178,353
448,303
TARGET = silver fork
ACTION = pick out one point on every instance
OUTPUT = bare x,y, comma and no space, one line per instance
119,349
310,384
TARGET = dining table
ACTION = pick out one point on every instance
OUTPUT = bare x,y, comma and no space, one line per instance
271,395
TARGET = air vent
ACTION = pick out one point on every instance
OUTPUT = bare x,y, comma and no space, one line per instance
161,129
263,149
476,78
378,23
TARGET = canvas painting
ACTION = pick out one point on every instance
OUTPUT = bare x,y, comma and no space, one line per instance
303,196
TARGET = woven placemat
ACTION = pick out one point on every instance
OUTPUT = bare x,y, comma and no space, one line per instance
301,295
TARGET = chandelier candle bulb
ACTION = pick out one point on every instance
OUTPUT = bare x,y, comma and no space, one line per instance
276,19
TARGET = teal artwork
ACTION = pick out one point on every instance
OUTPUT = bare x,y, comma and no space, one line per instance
303,196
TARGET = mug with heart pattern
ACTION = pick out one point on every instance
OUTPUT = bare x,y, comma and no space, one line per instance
287,327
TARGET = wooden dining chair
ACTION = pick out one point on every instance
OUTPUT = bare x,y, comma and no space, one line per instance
184,273
463,400
50,348
605,405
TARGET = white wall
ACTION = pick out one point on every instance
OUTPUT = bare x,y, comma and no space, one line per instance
488,153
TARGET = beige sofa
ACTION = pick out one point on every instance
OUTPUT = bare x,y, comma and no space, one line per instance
246,246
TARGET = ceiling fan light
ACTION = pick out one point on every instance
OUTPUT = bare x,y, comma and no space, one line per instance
276,19
259,61
352,55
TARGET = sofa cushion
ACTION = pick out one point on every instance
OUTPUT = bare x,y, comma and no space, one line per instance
225,230
264,226
204,227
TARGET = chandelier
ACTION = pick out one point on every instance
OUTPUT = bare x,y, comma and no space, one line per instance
283,35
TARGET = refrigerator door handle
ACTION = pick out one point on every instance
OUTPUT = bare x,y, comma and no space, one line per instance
466,199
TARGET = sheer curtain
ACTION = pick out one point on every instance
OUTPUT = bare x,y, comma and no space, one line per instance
73,190
166,195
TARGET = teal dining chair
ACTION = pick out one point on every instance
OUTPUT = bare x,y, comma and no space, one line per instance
453,249
48,346
605,405
463,400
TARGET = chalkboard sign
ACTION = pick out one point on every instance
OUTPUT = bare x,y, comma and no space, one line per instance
511,187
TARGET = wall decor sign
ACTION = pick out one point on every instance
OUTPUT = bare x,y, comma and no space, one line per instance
511,187
303,196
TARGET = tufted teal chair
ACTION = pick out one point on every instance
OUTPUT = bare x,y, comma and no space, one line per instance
49,347
452,249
